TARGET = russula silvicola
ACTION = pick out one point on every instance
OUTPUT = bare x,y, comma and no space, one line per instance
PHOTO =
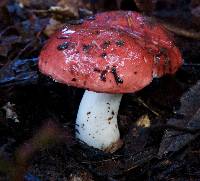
107,62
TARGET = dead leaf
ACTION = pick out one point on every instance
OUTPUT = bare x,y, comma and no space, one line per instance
37,4
52,27
19,72
143,121
188,117
118,165
63,8
80,176
10,112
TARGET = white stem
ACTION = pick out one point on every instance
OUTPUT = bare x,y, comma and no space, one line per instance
96,122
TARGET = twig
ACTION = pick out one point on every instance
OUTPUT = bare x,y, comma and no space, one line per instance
145,105
192,64
6,29
181,31
50,10
28,45
177,128
104,160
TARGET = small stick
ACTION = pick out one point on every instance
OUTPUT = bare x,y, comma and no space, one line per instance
181,31
192,64
145,105
176,128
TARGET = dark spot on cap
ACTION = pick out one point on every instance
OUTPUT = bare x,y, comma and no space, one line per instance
163,52
103,75
103,55
113,113
118,79
74,79
105,44
166,60
63,46
120,43
97,32
97,70
88,113
135,73
86,48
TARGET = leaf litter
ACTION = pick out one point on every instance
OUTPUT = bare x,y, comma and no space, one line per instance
188,116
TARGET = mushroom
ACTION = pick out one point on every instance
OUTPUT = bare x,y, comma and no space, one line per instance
107,62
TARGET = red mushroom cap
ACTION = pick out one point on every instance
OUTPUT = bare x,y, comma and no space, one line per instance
110,58
150,34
